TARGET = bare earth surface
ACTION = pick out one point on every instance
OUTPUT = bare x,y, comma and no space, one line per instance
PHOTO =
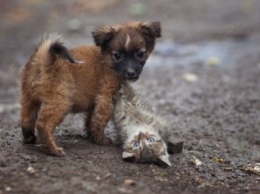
204,77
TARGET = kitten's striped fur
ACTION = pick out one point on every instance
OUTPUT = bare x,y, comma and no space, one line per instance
142,132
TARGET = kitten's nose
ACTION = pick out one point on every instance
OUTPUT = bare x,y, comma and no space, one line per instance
141,136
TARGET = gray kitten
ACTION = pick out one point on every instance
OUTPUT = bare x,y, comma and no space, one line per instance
142,132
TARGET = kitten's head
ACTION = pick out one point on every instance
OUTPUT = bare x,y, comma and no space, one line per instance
126,47
145,146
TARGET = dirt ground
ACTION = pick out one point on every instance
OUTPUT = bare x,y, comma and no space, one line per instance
204,77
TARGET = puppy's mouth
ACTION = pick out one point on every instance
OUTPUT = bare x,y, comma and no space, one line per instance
132,79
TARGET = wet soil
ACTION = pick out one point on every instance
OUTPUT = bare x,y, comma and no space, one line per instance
204,77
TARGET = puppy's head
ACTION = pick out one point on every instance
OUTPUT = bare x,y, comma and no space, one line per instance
126,47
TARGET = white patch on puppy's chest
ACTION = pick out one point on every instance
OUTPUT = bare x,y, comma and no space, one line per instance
127,41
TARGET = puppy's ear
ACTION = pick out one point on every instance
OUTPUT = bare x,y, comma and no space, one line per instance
151,30
103,35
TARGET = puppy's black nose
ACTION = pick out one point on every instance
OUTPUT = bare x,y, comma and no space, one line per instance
131,74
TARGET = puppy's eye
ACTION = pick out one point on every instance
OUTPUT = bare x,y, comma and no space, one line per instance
117,56
136,144
150,139
140,54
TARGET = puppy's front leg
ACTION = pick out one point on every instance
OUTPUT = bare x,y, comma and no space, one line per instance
103,110
101,115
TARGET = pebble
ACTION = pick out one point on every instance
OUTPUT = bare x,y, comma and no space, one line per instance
31,170
129,182
107,175
190,77
8,189
196,161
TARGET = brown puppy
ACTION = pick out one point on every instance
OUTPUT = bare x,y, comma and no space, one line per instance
54,84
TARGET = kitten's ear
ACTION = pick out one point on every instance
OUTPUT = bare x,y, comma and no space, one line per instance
174,144
127,156
165,159
103,35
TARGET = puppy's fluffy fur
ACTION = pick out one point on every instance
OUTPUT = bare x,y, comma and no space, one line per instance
54,83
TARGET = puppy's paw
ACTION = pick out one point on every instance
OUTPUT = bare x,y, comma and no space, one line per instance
103,141
58,151
87,134
30,139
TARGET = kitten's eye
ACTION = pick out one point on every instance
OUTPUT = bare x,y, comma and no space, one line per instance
117,56
136,144
140,54
150,139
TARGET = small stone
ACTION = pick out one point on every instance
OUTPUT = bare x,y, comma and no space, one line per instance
253,169
107,175
190,77
8,189
196,161
257,168
129,182
228,168
218,160
31,170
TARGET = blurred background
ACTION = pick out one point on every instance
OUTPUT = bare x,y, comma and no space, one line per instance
23,22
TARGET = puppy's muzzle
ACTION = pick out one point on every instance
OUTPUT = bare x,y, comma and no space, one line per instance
131,74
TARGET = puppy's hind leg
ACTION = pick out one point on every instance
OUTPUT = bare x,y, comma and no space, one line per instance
50,116
29,113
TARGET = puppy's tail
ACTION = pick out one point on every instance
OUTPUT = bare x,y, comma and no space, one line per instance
49,49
